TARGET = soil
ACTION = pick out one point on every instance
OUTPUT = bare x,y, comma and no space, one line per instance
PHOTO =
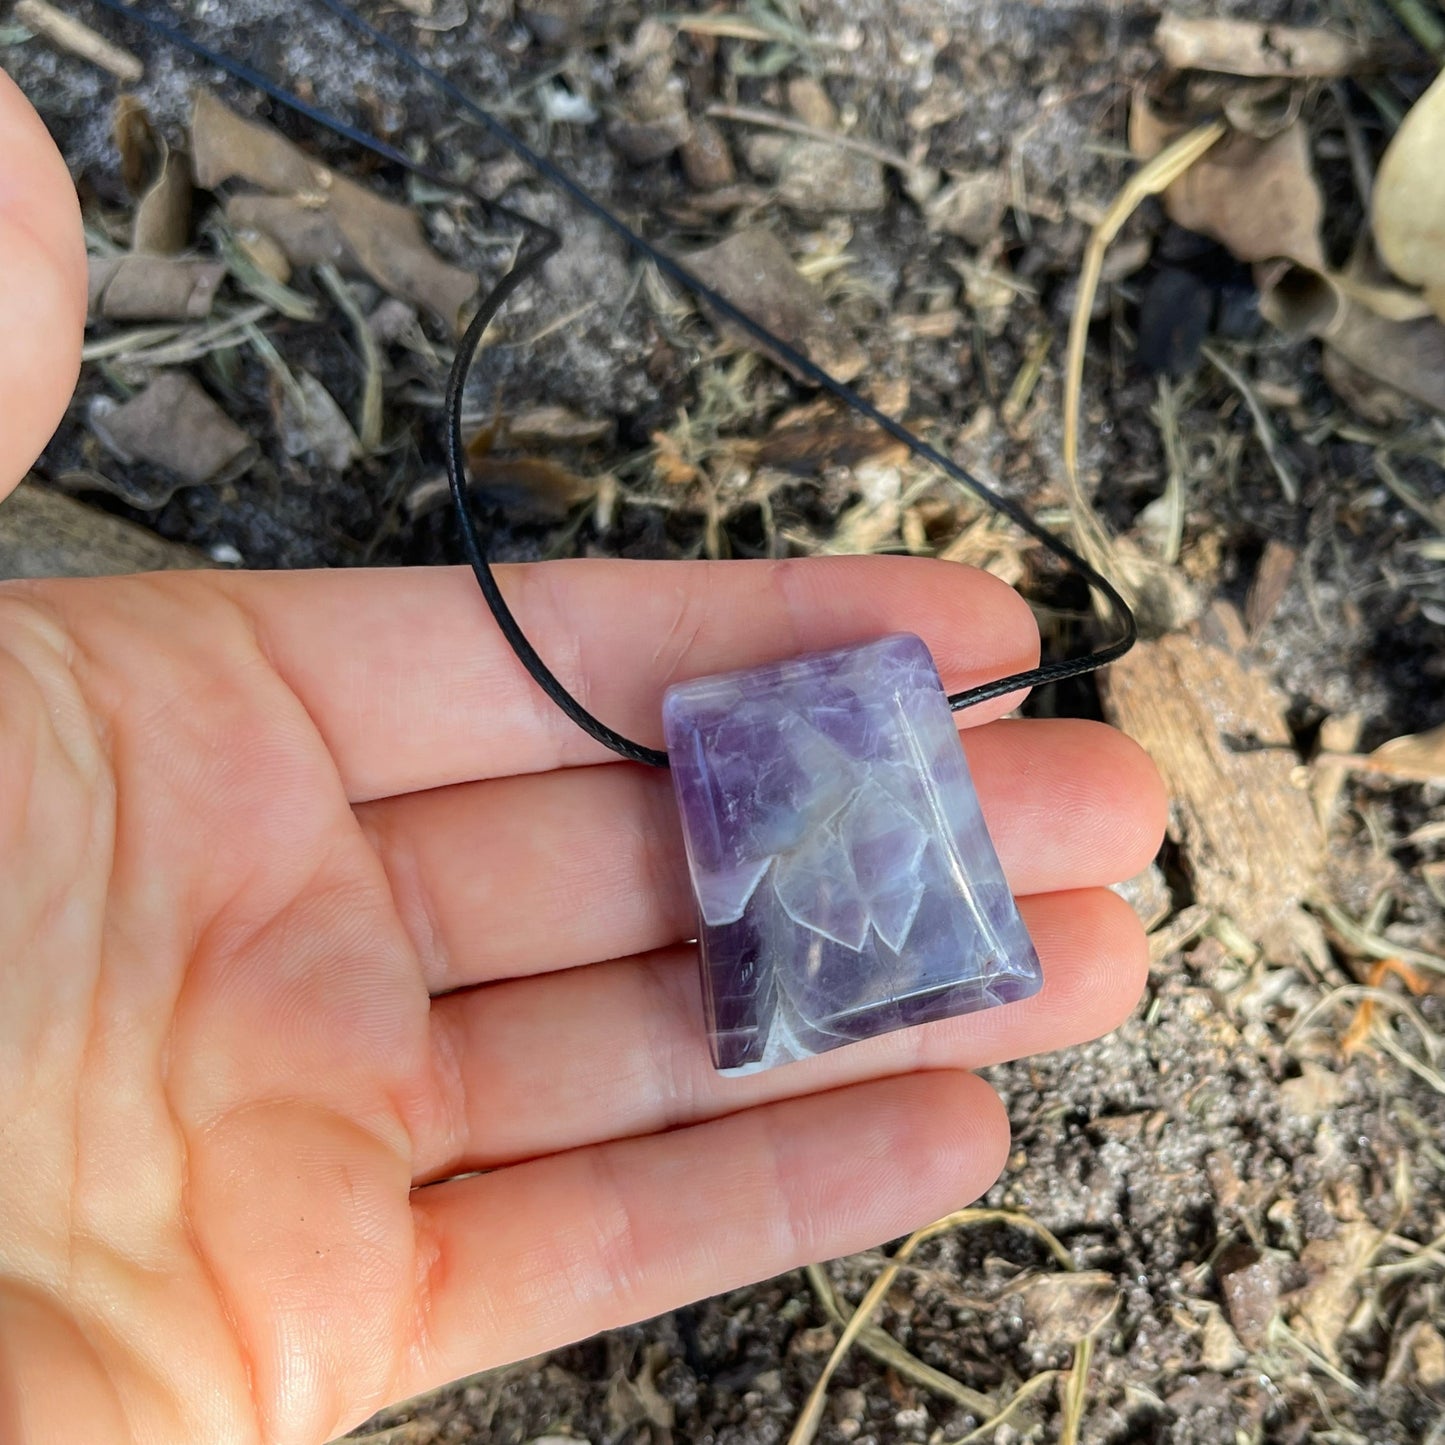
1221,1156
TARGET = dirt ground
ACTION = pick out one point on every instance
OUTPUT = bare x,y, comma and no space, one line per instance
1247,1180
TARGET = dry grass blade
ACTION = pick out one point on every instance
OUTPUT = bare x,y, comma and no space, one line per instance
1375,945
887,1351
1281,1334
1155,176
1076,1392
772,120
79,39
1017,1400
368,424
1267,439
807,1424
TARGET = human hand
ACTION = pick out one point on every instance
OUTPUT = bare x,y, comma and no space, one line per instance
311,901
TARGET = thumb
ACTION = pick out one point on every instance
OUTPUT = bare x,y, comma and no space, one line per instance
42,285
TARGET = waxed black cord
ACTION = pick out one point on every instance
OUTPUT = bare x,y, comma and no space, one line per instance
543,243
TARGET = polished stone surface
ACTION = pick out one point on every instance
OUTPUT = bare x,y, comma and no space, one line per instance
845,882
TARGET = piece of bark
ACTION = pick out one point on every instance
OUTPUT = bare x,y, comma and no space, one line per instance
153,288
174,424
47,534
1216,729
754,271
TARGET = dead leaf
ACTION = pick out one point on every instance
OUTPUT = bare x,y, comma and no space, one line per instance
1408,207
1316,1092
79,39
163,214
316,215
135,139
1367,396
1406,355
810,449
269,257
1271,581
537,485
153,288
1247,47
670,466
176,425
46,534
1385,333
1257,197
970,206
1219,1347
753,270
557,425
1060,1309
1417,757
1321,1310
312,423
225,147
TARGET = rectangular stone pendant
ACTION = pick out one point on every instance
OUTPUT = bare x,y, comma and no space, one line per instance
845,882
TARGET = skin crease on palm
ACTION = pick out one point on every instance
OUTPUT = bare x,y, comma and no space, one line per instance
310,902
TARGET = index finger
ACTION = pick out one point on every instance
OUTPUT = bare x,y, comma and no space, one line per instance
412,686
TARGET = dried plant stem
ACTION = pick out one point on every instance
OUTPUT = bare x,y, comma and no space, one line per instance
1267,439
812,1412
1150,179
772,120
368,424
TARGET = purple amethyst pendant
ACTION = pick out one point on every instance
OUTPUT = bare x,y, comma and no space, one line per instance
846,884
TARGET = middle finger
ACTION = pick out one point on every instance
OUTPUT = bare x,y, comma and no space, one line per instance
526,875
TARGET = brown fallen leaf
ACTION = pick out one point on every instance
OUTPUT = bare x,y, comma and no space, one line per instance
537,484
1385,334
1417,757
163,213
754,271
1247,47
1257,197
970,206
555,425
1367,396
1406,355
176,425
136,141
44,533
316,215
1321,1310
1408,206
153,288
1060,1308
311,423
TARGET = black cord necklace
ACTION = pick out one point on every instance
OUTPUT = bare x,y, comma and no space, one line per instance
541,243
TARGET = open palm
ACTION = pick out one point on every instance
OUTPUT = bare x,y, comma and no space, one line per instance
349,1036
